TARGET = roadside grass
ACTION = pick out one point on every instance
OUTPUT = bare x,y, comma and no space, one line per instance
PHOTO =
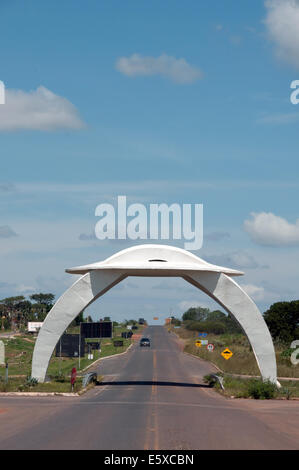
243,360
18,354
240,387
18,384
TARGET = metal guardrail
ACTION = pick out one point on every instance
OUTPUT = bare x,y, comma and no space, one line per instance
89,377
219,379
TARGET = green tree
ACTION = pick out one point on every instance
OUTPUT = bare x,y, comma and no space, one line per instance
216,315
232,326
11,311
11,302
175,321
79,319
45,299
43,304
196,314
215,327
282,319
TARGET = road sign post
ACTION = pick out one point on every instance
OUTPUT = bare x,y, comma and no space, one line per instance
79,347
60,356
2,353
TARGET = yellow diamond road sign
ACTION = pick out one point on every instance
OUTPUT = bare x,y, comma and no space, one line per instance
198,343
227,354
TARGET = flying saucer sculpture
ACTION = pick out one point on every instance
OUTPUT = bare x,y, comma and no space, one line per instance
157,261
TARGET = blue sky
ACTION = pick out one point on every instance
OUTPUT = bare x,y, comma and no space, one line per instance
169,101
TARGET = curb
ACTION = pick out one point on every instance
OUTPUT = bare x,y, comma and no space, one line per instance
38,394
106,357
61,394
46,394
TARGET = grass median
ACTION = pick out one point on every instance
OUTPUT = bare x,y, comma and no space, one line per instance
18,354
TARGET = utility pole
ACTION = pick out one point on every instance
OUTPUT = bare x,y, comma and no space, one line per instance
6,373
60,356
79,347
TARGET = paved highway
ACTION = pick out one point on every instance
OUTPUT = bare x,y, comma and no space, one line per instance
150,398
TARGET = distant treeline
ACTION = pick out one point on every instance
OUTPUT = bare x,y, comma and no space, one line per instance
17,311
203,319
282,319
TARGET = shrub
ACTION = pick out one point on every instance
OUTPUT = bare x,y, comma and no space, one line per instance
3,386
287,352
60,377
215,327
286,392
261,390
210,380
31,381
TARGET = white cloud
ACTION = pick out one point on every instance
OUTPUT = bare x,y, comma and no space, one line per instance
87,236
177,70
257,293
25,289
236,259
7,187
7,232
269,229
235,40
38,109
216,236
282,22
279,118
184,305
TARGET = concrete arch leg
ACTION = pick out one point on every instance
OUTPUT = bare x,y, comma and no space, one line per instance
224,290
82,293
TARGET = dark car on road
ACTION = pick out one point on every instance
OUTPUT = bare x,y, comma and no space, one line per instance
145,342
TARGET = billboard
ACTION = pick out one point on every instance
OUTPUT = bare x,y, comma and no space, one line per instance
68,346
101,329
34,326
92,345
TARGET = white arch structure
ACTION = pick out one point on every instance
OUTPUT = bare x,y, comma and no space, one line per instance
157,261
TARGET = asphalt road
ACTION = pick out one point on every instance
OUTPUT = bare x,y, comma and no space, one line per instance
151,398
